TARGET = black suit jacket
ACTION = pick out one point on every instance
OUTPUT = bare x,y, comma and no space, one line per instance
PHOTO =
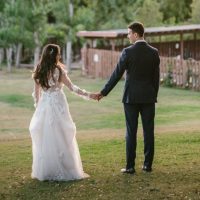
141,63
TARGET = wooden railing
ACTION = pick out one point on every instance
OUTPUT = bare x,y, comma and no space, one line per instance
173,71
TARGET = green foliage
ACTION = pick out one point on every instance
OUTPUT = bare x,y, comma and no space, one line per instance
56,31
149,13
113,14
8,25
36,21
84,18
175,12
195,16
18,24
60,10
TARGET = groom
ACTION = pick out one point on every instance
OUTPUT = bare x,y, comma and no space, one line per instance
141,63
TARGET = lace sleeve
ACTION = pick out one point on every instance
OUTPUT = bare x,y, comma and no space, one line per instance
74,88
36,94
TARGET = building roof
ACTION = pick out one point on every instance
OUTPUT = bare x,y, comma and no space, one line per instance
151,31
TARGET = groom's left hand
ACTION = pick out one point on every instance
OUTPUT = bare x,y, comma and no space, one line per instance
96,96
99,96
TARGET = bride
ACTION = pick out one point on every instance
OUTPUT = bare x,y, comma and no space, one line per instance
54,147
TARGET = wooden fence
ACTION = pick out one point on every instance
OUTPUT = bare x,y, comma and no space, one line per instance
173,71
180,73
99,63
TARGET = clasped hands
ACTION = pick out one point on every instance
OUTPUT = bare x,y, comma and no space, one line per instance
96,96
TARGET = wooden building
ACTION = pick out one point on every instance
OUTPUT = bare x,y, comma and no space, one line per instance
179,49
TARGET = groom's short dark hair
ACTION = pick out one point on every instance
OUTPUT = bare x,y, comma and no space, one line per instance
137,27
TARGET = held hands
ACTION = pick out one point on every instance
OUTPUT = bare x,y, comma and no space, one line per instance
96,96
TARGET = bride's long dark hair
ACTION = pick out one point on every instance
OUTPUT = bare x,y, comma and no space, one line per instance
47,64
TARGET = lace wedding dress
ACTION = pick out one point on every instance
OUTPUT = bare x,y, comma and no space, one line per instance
54,147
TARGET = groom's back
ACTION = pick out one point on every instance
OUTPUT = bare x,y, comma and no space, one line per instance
141,76
141,62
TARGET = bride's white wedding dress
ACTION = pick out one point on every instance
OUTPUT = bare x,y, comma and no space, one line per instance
54,147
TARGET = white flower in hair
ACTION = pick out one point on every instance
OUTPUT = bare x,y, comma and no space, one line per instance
51,51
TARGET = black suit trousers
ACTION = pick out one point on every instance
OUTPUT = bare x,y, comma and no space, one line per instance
147,112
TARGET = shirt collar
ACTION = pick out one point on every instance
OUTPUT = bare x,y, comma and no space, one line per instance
139,41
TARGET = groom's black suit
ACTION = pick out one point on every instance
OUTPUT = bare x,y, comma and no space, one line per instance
141,63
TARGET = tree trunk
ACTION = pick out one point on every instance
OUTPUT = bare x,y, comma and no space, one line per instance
1,56
64,55
84,60
68,60
69,42
9,58
36,56
37,49
18,55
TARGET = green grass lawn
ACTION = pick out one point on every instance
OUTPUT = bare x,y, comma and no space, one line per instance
100,134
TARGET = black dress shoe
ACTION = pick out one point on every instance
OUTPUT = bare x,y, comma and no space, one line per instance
128,171
146,169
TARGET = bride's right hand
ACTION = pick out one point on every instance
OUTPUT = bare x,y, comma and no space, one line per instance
96,96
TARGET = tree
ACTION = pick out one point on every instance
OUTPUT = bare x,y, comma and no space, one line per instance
175,12
8,31
71,16
195,17
113,14
19,26
63,12
1,18
149,13
35,23
22,36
